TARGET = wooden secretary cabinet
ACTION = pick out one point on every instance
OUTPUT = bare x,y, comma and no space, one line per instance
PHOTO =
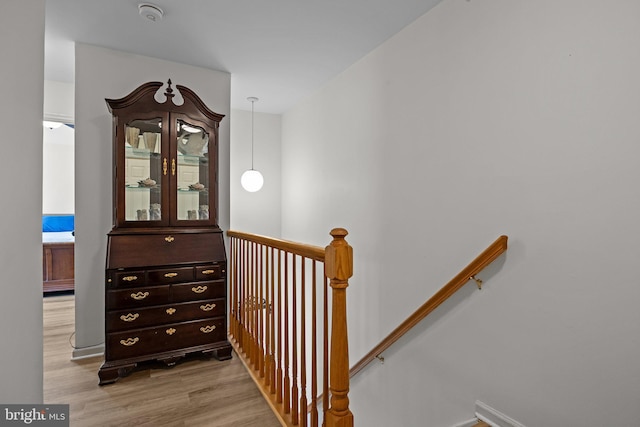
165,281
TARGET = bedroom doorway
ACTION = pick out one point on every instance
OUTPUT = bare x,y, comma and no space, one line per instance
58,198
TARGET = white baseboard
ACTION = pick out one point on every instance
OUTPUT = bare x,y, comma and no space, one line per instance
493,417
87,352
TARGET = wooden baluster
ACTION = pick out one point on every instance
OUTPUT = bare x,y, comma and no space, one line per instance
243,296
254,352
272,314
339,268
249,322
303,347
262,313
256,311
230,281
239,314
286,399
325,350
233,272
314,349
245,301
294,345
280,357
267,323
236,332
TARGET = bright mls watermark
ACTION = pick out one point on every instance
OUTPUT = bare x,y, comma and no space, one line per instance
35,415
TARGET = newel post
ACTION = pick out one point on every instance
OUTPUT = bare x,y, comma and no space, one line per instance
338,264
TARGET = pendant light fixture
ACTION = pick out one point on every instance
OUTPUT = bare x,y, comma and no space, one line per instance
251,179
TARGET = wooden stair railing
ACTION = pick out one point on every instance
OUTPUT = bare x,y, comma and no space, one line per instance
468,273
276,328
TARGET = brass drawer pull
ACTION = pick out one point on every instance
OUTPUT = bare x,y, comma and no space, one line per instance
129,278
169,239
199,289
207,307
207,329
129,341
170,331
129,317
164,166
170,311
208,271
170,275
140,295
173,167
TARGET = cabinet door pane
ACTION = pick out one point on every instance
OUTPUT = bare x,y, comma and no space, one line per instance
193,179
143,170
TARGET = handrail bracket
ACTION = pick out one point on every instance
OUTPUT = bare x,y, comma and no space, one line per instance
478,281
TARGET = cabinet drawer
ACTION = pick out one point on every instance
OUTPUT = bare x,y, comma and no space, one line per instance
140,318
170,275
198,290
164,249
136,342
191,334
210,272
125,279
137,297
140,342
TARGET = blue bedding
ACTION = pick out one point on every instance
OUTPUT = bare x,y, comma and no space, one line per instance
56,223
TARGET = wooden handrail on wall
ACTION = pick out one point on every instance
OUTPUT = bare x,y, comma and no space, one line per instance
468,273
274,284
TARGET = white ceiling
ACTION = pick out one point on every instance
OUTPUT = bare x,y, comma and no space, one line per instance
277,50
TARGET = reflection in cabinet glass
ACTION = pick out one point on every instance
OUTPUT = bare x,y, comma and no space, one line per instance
165,233
143,170
193,167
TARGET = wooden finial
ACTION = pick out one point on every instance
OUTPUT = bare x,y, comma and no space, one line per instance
169,92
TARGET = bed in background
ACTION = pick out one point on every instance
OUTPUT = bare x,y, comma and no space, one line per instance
57,253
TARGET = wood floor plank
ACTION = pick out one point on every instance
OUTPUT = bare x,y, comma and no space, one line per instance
202,392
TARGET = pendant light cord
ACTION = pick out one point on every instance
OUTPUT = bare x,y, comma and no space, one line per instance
252,102
252,99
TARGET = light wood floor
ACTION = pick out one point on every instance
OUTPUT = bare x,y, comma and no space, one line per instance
201,392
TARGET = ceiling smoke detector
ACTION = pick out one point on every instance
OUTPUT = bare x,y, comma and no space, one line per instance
150,11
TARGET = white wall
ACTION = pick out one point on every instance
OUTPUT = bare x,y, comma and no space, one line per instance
102,73
58,170
22,74
59,101
485,118
257,212
58,185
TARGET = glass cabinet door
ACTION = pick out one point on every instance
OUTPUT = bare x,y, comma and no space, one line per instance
143,170
192,172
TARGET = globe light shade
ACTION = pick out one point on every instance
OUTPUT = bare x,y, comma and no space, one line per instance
252,180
